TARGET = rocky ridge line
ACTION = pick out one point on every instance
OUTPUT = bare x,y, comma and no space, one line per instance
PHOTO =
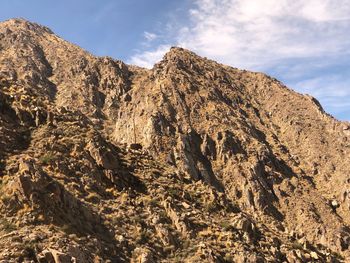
191,161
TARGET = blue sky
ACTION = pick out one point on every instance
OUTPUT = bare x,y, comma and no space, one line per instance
305,44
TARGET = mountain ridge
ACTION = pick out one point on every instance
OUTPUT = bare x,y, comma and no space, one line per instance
198,161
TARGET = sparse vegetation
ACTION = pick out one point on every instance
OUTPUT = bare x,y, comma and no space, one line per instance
226,225
174,192
222,168
29,249
149,201
7,226
47,158
68,229
143,237
93,198
186,244
228,258
338,256
5,198
211,207
297,245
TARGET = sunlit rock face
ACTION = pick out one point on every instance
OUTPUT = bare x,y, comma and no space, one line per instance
190,161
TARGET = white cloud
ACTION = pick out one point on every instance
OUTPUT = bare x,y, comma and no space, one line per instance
255,34
333,91
266,36
148,58
149,36
326,86
326,10
252,33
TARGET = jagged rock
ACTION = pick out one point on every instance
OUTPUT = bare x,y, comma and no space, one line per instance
234,166
245,225
244,258
179,220
208,147
205,253
165,235
184,158
46,257
60,257
102,155
142,255
192,162
314,255
228,145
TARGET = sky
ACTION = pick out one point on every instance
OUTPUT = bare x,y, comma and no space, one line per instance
305,44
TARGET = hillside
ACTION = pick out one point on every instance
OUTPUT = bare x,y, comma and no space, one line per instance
190,161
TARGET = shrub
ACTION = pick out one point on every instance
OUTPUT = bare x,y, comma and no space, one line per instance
297,245
47,158
7,226
226,225
143,237
211,207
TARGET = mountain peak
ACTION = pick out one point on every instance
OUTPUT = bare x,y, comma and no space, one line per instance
192,161
179,53
23,24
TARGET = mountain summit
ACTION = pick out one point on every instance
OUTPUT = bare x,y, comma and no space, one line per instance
190,161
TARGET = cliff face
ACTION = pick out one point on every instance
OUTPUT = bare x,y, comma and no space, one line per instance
191,161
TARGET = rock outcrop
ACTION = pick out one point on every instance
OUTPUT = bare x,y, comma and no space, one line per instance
190,161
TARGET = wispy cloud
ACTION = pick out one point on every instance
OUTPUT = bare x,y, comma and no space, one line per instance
333,91
146,59
104,11
252,33
294,39
149,36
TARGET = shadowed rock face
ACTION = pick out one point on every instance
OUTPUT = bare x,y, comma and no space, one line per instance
190,161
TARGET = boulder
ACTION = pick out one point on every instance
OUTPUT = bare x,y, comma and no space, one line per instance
54,256
103,156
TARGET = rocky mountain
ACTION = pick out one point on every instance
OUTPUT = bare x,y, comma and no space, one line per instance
190,161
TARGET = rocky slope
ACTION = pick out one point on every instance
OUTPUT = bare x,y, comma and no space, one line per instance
191,161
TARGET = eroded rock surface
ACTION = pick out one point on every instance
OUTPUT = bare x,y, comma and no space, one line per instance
190,161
